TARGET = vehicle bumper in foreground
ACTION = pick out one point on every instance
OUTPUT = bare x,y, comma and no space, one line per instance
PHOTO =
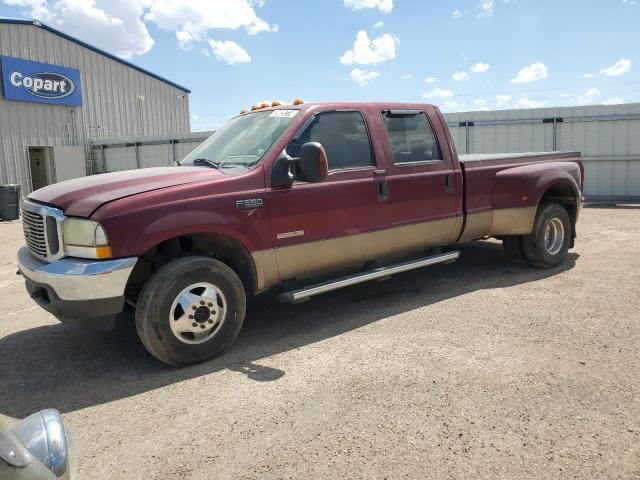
83,293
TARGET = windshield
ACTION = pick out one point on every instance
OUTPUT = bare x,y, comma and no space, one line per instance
243,141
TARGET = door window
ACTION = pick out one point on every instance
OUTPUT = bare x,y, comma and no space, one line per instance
411,137
343,135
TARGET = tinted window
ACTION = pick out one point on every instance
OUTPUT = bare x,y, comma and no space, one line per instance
411,138
342,134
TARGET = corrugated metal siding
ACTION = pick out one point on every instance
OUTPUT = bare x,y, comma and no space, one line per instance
110,92
607,136
153,151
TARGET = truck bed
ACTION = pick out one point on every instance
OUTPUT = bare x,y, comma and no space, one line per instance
496,201
519,157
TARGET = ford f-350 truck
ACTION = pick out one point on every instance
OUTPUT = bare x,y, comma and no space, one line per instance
299,199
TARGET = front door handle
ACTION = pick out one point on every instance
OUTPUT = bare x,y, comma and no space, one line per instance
448,183
383,191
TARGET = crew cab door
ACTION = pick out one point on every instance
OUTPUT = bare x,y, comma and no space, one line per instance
324,226
422,187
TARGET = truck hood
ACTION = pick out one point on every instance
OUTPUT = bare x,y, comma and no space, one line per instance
80,197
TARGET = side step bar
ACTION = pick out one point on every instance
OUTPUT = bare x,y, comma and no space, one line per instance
303,294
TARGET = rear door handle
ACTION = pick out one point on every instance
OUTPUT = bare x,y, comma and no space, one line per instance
379,173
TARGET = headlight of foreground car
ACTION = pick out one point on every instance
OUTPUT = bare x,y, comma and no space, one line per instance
85,238
44,436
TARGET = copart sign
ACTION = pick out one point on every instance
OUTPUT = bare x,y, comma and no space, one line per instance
28,81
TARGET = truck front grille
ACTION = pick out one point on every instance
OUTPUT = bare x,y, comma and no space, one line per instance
33,226
42,226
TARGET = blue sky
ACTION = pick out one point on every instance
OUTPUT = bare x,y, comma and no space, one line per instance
460,54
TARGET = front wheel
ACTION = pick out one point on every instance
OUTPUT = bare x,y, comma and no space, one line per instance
548,244
190,310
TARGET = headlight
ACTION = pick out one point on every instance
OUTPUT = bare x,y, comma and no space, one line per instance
85,238
44,435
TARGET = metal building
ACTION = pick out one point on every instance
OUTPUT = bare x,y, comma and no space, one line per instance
607,136
60,94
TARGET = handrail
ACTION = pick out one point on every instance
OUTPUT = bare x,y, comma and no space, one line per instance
112,132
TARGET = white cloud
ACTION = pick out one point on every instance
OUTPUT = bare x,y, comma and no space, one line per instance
486,8
370,52
620,67
363,77
438,93
524,102
588,96
430,80
385,6
379,24
502,100
113,25
481,104
532,73
193,19
480,67
613,101
408,76
460,76
589,75
452,106
628,2
456,14
229,52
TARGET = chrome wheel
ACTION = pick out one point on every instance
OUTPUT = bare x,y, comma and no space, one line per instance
197,313
554,236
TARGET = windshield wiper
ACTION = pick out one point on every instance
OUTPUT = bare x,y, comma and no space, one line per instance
230,161
205,162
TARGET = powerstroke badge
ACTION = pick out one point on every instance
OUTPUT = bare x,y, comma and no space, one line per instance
297,233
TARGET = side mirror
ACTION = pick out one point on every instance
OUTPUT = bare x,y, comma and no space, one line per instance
311,166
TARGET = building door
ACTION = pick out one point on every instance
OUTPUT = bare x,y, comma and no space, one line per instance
69,162
41,166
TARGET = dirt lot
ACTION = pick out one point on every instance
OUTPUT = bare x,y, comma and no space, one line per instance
480,369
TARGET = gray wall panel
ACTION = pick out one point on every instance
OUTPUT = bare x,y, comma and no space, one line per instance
607,136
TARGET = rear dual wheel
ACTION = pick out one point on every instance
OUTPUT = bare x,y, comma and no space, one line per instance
548,245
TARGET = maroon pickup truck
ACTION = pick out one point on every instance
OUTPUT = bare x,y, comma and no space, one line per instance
299,199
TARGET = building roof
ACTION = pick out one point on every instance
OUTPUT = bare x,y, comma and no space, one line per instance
35,23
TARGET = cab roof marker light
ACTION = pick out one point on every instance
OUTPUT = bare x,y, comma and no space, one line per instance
298,101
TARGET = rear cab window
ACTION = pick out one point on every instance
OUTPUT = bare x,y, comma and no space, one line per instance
411,137
344,136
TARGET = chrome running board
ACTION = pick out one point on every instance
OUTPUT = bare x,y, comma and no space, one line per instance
303,294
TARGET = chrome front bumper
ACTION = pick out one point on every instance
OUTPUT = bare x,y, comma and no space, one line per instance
74,279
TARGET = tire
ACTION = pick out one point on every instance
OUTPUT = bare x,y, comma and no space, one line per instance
513,249
548,244
190,310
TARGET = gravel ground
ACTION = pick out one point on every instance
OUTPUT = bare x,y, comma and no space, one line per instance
480,369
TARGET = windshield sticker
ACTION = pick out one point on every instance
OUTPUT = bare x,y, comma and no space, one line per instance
283,113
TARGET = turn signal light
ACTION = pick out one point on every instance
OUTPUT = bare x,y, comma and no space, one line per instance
103,252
